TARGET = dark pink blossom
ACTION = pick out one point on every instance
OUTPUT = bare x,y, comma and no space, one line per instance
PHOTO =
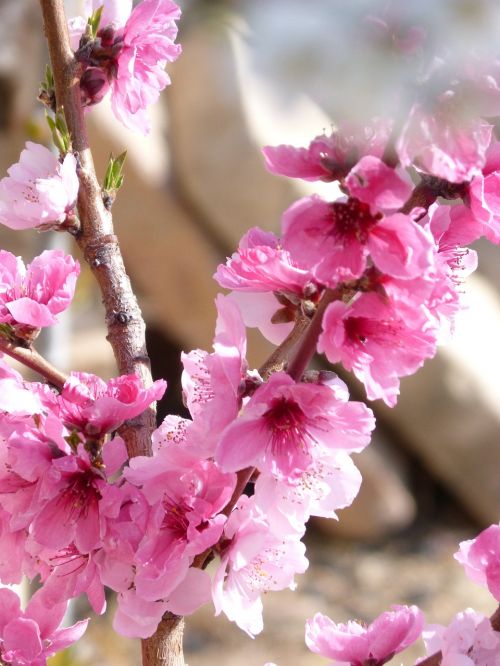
186,495
360,645
39,190
328,157
286,425
335,239
34,295
483,195
480,558
370,338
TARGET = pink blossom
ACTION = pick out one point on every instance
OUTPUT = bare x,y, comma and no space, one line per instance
28,638
33,295
334,239
96,407
69,574
139,618
328,157
39,191
356,644
328,484
286,425
211,382
72,511
254,561
443,143
468,641
260,265
483,195
481,559
371,339
147,43
186,496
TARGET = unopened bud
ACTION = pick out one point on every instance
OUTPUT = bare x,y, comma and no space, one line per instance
93,86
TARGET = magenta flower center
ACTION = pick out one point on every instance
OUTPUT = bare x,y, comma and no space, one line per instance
175,519
361,330
352,220
286,421
79,496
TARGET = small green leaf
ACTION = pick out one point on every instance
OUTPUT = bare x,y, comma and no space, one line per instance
113,178
94,22
59,131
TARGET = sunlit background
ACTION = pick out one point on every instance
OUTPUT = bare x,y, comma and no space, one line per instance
257,72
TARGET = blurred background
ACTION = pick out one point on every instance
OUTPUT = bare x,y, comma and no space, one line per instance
252,73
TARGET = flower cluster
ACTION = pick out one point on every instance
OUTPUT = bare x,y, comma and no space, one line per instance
371,279
127,56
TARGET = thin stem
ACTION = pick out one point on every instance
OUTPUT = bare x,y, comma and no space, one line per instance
307,347
279,357
34,361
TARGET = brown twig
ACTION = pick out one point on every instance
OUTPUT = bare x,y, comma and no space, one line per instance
30,358
307,347
126,328
279,357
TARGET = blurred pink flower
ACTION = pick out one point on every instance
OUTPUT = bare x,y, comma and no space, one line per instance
29,638
357,644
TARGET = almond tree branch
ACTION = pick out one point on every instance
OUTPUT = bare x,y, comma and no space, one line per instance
126,328
34,361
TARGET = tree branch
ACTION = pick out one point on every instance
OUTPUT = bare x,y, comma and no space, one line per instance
96,239
307,347
126,328
34,361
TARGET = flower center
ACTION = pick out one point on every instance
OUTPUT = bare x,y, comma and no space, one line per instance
352,220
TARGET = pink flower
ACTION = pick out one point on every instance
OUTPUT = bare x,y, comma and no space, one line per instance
286,425
330,483
328,157
186,495
334,239
260,265
254,561
355,644
33,295
128,55
211,382
468,641
483,194
96,407
443,142
370,338
29,638
147,44
481,559
39,191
